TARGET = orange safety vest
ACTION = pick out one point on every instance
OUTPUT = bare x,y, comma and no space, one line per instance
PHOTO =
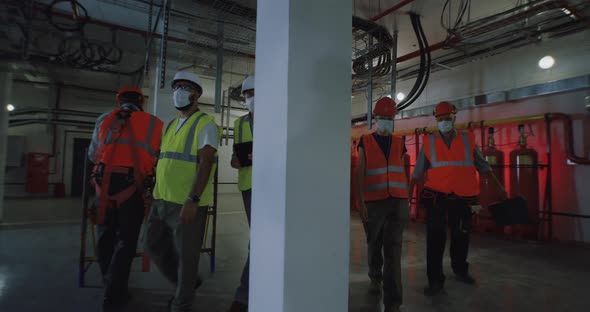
115,142
127,139
384,177
452,170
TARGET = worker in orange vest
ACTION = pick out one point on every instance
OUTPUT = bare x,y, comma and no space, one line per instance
124,147
382,193
449,160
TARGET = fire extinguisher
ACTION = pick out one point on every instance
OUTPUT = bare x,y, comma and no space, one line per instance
489,193
524,181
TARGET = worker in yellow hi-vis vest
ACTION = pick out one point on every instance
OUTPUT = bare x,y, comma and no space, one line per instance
184,191
243,129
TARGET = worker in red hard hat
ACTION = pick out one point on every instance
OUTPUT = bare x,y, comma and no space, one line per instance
124,147
382,192
449,160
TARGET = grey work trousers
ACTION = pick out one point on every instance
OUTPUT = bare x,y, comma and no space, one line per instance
175,248
387,220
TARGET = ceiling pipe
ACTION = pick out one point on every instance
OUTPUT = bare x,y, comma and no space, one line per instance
391,10
75,123
69,86
140,32
409,56
32,111
567,5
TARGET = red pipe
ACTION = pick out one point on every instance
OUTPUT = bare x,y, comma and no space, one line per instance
569,138
391,10
409,56
434,47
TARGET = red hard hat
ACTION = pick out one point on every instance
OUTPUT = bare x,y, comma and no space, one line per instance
385,107
130,94
444,108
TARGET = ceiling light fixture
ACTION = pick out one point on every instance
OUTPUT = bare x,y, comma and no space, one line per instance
546,62
9,107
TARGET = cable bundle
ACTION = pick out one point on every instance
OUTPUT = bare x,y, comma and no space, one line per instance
380,50
425,64
78,51
75,48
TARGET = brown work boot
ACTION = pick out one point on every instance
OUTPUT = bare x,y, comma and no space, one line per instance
238,307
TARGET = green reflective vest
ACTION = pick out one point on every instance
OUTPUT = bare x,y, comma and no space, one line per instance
179,161
242,134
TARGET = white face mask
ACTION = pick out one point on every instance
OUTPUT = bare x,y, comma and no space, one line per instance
384,125
182,99
250,104
445,126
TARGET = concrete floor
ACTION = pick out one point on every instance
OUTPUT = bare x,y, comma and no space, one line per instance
39,272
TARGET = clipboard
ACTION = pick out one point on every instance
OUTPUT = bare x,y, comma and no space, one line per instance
243,152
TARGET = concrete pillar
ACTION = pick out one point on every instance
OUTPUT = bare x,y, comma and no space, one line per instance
300,219
5,98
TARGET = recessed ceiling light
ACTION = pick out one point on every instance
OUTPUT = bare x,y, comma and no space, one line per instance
546,62
9,107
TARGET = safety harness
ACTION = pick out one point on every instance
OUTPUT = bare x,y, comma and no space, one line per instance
103,171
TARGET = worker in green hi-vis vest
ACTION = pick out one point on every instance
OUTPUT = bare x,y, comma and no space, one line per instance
183,192
243,129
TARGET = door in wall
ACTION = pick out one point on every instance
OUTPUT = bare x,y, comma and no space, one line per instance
80,146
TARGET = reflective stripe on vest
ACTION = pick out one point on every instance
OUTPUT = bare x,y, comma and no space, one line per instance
147,145
384,186
384,170
186,155
464,163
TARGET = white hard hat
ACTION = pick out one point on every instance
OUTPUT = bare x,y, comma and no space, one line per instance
248,83
188,76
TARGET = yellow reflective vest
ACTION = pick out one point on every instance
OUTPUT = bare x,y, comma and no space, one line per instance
243,134
179,161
